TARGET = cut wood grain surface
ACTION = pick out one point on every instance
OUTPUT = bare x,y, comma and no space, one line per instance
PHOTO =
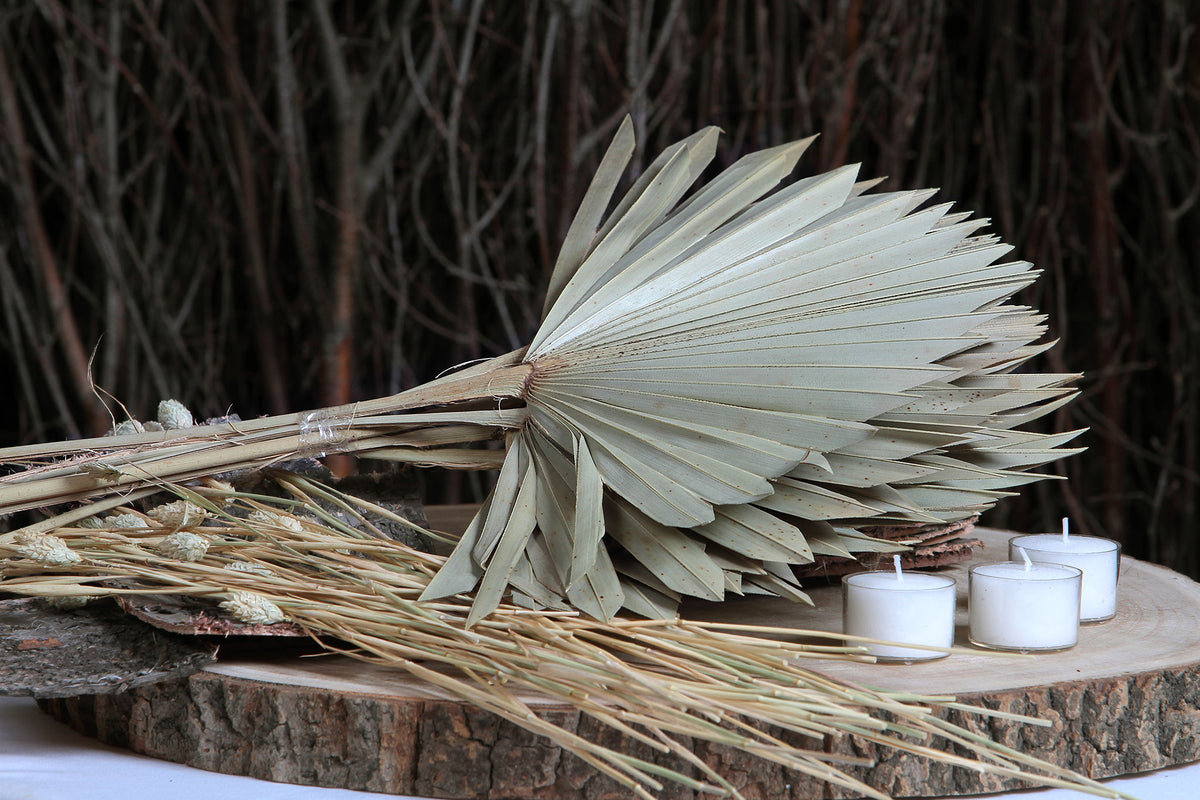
1123,701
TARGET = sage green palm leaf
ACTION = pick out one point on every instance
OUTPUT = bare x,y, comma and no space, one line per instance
738,379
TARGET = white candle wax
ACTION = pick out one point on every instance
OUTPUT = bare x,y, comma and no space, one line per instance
1024,607
1098,559
912,608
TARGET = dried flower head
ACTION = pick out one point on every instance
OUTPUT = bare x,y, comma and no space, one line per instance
184,546
253,608
90,522
126,427
259,517
46,549
174,415
178,514
125,521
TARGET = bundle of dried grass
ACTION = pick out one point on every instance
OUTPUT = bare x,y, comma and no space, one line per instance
267,560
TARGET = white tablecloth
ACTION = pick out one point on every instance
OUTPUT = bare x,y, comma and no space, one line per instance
43,760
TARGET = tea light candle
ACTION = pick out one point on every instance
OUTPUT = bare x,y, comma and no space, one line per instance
1023,606
1098,559
901,607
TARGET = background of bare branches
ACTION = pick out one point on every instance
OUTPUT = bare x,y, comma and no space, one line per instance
269,206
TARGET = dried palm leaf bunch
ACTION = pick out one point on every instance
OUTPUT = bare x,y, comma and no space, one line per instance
722,386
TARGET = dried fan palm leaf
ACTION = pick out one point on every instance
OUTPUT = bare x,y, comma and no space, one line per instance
792,356
758,369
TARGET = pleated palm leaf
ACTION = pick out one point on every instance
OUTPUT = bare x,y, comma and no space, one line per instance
722,386
728,386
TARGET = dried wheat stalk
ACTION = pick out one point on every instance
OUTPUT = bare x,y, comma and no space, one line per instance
296,558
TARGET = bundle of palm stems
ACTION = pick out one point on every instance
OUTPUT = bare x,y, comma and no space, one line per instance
725,384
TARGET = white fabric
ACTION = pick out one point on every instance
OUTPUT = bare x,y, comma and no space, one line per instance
43,760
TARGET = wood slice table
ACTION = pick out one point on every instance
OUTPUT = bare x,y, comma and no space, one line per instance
1124,700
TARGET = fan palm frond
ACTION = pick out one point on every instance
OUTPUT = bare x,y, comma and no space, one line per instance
757,372
724,383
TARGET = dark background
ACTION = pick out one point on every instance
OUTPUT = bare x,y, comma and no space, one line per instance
270,206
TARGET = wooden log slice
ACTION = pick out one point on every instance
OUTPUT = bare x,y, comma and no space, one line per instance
1124,700
45,652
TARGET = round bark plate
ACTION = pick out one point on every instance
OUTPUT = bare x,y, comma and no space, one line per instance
1124,700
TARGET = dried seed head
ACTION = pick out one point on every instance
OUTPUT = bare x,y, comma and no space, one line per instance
184,546
174,415
125,521
179,514
260,517
126,427
104,472
90,522
46,549
248,566
253,608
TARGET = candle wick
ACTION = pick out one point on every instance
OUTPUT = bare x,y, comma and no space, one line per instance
1025,556
896,564
1066,526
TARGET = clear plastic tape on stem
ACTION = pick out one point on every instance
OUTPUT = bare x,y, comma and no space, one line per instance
321,431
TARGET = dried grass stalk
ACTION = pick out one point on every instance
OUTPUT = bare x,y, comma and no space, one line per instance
295,558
